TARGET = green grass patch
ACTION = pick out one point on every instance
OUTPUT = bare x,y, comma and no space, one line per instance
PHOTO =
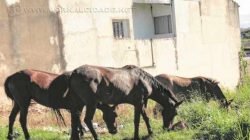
36,134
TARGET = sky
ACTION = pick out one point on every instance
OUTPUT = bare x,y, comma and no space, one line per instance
244,13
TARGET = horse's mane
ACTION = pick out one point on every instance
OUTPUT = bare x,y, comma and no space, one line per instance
149,78
213,81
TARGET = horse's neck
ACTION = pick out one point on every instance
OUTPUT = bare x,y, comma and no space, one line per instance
158,96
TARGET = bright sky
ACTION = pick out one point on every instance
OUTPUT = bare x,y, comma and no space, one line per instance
244,13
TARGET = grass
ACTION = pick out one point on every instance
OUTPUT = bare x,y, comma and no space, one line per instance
207,121
36,134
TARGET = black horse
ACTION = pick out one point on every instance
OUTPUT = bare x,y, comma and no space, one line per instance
50,90
184,88
129,84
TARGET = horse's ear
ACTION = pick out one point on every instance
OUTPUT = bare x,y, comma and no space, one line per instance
229,102
177,104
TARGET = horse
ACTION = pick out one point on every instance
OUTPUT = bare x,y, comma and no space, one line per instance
50,90
184,88
129,84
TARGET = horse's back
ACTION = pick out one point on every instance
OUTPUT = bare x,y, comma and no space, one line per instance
42,79
108,84
18,77
164,79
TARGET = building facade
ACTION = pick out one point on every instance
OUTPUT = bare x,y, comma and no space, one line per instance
181,37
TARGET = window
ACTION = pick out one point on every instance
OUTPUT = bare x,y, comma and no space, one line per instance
121,28
163,24
247,53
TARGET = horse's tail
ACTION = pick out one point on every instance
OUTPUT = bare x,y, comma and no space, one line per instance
8,93
6,88
59,95
59,117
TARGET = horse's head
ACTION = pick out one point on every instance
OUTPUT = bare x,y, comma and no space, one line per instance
109,116
212,87
168,113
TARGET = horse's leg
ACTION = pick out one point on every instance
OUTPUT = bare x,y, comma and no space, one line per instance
74,125
90,111
80,127
146,120
12,118
23,119
137,113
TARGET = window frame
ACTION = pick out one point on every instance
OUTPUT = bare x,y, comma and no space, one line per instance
122,29
169,29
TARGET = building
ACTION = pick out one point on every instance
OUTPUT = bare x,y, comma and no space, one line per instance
182,37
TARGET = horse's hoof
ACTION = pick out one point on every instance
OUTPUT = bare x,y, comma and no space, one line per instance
136,138
150,133
74,138
28,138
9,137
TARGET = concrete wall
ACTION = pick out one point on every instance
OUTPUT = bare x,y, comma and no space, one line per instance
30,37
5,50
90,39
208,39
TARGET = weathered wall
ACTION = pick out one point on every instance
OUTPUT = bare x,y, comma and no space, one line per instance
5,50
209,41
207,38
30,37
90,39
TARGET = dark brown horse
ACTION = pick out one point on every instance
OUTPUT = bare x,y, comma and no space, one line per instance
185,88
130,84
47,89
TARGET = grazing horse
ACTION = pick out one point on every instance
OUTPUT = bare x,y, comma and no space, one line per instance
129,84
184,88
47,89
